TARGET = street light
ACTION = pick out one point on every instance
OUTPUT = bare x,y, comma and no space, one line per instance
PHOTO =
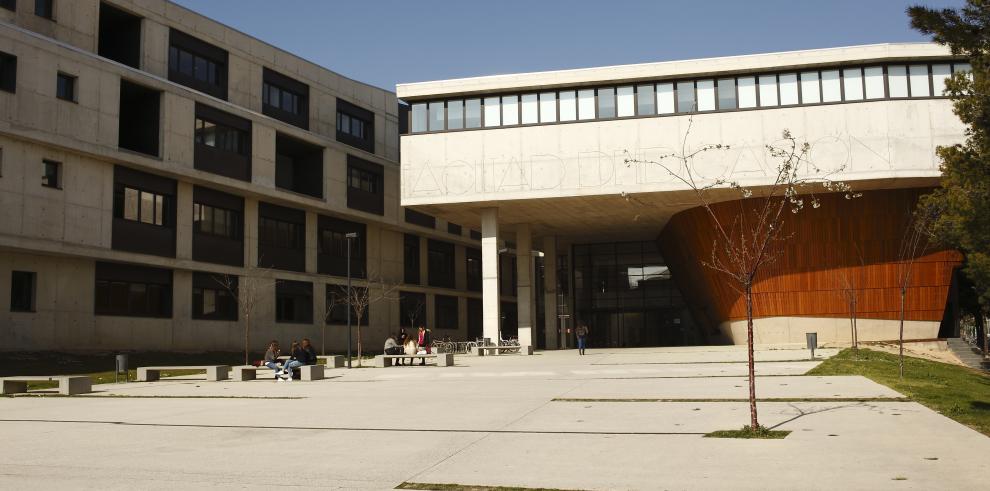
349,236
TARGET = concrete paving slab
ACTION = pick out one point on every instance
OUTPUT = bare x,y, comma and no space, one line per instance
488,421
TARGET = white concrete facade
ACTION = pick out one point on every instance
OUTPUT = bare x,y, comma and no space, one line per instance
559,179
60,233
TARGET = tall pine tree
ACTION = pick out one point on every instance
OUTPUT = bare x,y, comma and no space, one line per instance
963,200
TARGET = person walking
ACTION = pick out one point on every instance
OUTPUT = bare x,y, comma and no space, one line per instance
296,357
271,358
582,336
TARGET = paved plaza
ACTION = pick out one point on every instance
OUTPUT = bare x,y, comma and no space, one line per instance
615,419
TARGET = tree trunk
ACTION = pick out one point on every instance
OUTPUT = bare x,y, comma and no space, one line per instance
753,421
900,337
852,324
359,341
247,339
323,342
855,327
986,339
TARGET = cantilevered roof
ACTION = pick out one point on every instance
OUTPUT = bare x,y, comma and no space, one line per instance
670,69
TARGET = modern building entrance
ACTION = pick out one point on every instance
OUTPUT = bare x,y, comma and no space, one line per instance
625,293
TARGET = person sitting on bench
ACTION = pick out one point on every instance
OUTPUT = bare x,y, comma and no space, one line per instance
393,348
271,358
296,356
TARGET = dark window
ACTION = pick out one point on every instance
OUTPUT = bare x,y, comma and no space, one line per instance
411,259
136,205
454,228
144,212
475,319
365,186
197,64
221,137
44,8
355,126
507,275
66,87
475,235
120,36
133,291
294,302
10,5
441,263
22,291
223,143
281,237
412,309
139,118
337,296
363,180
473,268
332,247
446,311
422,219
298,166
285,99
8,72
211,220
52,173
218,232
212,298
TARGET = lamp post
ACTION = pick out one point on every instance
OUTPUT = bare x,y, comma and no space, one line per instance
349,236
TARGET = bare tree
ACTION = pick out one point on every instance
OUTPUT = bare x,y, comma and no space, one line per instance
360,298
917,238
415,312
849,288
247,292
748,240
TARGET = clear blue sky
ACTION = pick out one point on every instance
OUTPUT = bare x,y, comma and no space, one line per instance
384,42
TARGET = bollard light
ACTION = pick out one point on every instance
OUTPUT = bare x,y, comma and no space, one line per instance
812,338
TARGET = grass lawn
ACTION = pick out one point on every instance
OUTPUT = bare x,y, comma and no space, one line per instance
960,393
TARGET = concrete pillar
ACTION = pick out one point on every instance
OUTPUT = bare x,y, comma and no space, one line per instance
251,232
524,289
489,274
311,242
184,221
550,290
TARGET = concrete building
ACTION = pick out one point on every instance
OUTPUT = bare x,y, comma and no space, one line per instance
539,159
147,152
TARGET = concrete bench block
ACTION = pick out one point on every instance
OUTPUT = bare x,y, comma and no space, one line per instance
477,351
75,385
526,350
311,372
445,359
13,387
245,373
67,385
381,361
214,373
333,361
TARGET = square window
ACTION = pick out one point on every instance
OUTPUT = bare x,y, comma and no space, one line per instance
22,291
44,8
66,87
8,72
52,174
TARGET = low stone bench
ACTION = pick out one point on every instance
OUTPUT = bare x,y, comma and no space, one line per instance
442,359
331,361
67,384
250,372
214,373
483,350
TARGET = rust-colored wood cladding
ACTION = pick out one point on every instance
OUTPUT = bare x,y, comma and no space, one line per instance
807,279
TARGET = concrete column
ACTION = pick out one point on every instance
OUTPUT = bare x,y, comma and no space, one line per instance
311,242
184,221
550,290
489,273
251,232
524,290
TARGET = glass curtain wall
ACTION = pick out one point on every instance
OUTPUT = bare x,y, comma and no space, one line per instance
624,292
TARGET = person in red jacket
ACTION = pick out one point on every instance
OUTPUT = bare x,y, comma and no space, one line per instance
424,341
